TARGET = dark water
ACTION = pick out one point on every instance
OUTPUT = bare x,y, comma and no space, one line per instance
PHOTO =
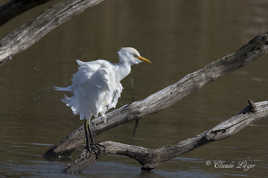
179,37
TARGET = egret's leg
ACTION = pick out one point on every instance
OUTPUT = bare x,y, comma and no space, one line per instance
94,147
91,135
86,134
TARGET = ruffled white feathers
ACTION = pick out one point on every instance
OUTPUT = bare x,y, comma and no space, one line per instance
95,88
96,85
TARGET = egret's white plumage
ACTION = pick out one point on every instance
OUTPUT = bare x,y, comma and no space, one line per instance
96,85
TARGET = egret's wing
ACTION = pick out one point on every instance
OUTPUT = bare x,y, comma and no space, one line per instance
109,88
85,90
95,89
86,69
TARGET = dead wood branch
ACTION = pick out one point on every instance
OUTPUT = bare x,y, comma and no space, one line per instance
81,163
151,158
169,95
14,8
29,33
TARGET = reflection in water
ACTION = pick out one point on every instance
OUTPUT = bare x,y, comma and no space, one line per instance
101,169
180,37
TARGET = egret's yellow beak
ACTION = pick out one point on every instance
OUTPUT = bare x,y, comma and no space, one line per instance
144,59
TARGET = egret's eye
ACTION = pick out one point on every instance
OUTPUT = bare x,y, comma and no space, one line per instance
135,55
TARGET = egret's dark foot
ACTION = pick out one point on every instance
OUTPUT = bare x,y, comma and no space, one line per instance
91,146
87,148
96,149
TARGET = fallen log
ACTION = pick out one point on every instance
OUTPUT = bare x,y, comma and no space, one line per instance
14,8
167,96
150,158
29,33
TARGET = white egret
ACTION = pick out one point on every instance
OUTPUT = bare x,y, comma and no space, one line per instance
96,88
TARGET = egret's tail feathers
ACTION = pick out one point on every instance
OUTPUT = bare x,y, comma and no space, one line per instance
67,89
79,62
67,100
76,107
71,102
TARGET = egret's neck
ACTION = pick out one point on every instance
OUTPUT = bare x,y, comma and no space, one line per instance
123,69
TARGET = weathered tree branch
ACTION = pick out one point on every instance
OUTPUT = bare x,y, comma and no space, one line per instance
169,95
29,33
151,158
14,8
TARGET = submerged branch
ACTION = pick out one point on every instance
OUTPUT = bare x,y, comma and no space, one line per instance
167,96
28,34
151,158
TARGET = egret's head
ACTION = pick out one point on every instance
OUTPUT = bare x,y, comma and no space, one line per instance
131,55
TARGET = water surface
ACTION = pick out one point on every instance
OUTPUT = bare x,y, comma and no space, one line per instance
179,37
